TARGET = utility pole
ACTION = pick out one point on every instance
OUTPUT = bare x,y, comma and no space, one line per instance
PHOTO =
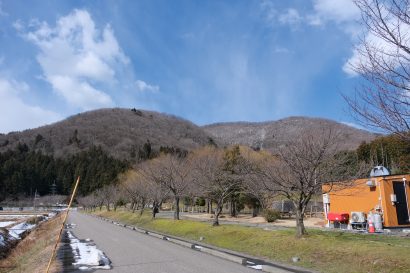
36,197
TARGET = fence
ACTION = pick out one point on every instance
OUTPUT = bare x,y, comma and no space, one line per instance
286,207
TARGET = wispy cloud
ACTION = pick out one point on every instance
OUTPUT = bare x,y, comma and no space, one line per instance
291,17
354,125
269,11
340,11
2,12
145,87
15,113
344,13
282,50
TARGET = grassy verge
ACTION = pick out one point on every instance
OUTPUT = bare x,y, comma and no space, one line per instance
330,252
33,252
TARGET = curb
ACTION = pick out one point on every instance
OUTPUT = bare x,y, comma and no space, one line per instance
236,257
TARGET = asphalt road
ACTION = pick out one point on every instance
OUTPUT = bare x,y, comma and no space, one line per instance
132,252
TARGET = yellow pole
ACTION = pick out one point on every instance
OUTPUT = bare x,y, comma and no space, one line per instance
62,226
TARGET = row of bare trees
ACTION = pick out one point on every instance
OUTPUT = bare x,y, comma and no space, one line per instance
297,172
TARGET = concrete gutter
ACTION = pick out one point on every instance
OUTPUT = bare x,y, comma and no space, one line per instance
233,256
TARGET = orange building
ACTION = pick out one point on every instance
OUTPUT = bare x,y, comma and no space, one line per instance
387,195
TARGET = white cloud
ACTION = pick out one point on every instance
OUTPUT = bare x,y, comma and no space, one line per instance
18,25
389,52
291,17
283,50
334,10
76,58
343,12
268,10
143,86
354,125
15,113
383,49
79,92
2,12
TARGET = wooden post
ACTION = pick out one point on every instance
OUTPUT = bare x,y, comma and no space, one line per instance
62,226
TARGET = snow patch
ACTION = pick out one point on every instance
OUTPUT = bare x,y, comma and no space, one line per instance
18,229
17,216
257,267
7,223
86,254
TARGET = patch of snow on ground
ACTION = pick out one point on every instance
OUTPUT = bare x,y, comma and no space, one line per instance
4,216
86,254
257,267
18,229
2,243
7,223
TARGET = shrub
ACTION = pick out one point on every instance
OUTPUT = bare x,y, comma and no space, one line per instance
271,215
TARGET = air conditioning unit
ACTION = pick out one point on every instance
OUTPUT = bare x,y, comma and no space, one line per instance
358,217
371,183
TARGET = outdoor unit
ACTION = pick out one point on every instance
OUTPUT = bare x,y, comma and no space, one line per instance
358,217
371,183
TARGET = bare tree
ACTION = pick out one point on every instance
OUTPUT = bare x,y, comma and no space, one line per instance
99,198
219,174
302,167
170,172
88,202
136,188
118,195
252,185
107,195
382,58
157,195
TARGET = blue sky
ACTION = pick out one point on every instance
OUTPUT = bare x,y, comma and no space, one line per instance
205,61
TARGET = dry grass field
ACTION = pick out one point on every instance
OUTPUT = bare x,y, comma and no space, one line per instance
33,252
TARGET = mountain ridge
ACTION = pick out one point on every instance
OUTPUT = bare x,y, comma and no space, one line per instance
272,134
125,132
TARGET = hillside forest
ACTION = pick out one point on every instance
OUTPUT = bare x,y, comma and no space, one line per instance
24,171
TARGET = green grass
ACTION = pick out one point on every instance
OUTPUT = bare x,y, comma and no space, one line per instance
324,251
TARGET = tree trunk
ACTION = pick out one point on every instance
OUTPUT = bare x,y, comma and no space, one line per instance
218,211
142,207
208,206
255,211
300,226
176,212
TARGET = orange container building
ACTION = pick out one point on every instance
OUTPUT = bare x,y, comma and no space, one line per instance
387,195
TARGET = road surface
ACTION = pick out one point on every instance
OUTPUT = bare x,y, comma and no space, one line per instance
133,252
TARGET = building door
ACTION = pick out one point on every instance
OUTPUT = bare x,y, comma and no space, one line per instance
401,204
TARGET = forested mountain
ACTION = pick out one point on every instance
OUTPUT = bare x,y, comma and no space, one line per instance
98,145
271,135
123,133
130,134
